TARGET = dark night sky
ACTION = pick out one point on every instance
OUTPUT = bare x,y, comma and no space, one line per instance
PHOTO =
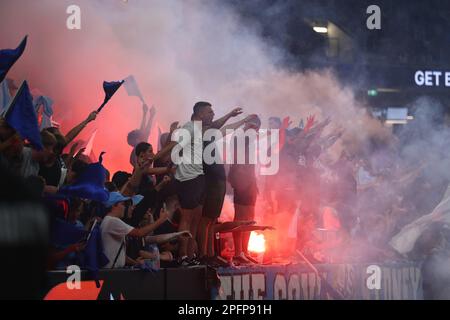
416,29
414,35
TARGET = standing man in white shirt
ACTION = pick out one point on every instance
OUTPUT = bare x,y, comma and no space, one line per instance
189,175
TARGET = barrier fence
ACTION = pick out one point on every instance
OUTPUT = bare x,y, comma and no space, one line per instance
288,282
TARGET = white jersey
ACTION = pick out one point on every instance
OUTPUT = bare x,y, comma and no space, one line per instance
192,165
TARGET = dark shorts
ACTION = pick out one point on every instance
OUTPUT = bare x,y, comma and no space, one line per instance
214,196
246,197
191,193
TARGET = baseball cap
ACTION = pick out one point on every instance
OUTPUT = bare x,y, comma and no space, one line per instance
115,197
136,199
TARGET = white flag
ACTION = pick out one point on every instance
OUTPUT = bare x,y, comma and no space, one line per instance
292,231
132,88
90,144
404,241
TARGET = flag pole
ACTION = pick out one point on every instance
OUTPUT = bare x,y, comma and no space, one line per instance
92,229
101,107
333,291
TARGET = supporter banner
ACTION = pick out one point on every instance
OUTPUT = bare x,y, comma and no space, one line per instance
290,282
297,282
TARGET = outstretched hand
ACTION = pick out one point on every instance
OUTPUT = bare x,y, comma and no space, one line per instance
235,112
310,120
141,168
174,126
80,152
92,116
186,234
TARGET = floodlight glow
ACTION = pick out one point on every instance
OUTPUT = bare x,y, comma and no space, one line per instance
320,29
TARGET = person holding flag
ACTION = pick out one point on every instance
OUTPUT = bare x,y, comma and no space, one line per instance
54,170
143,133
110,89
20,125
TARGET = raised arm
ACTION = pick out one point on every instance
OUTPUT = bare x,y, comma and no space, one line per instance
163,238
144,231
147,128
129,189
72,134
144,116
159,170
236,125
165,150
320,126
174,126
331,139
284,126
219,123
163,183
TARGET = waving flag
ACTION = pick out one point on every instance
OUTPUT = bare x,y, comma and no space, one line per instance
110,88
46,111
93,257
63,233
9,56
132,88
21,116
292,231
90,144
404,241
90,184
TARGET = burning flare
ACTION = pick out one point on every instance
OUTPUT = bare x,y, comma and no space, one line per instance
257,243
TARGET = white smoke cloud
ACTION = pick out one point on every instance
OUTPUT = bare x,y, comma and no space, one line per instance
179,51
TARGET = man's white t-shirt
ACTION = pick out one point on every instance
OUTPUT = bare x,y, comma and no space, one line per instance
114,231
193,167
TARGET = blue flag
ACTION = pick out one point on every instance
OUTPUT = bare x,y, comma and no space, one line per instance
111,88
21,116
90,184
9,56
64,234
93,257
